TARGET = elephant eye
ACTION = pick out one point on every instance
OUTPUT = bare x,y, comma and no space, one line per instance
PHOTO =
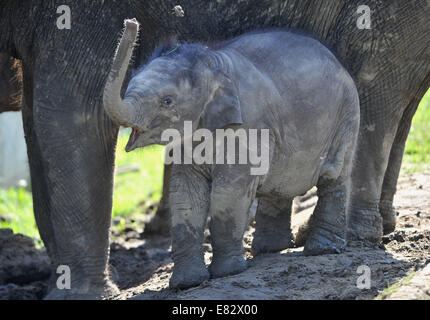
167,101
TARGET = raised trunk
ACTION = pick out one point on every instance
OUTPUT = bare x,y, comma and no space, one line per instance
121,111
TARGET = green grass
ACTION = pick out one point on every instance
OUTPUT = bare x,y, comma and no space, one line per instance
136,191
16,211
391,288
417,152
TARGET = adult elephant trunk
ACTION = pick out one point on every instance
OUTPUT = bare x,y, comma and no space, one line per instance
121,111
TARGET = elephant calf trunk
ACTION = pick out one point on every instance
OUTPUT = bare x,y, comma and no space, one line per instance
118,110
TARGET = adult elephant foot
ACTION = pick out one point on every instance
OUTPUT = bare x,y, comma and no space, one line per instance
364,224
388,215
104,290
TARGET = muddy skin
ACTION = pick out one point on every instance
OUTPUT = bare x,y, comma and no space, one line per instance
190,259
230,86
388,215
273,226
189,216
328,231
227,243
364,224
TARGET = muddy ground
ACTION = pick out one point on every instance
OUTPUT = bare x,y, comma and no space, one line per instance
142,266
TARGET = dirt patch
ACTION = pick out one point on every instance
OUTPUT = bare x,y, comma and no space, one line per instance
291,275
142,267
24,270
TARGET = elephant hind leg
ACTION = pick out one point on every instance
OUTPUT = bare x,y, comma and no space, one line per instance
273,226
389,186
326,232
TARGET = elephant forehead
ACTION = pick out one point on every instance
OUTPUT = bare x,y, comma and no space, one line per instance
167,64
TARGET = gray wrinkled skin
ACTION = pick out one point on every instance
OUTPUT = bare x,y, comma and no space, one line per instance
277,80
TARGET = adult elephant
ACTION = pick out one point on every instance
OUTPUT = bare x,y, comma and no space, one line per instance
71,142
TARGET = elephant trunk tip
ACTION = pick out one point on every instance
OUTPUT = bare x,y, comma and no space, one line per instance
131,24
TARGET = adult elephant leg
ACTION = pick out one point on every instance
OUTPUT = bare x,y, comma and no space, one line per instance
389,186
272,226
396,156
74,153
39,187
160,223
374,144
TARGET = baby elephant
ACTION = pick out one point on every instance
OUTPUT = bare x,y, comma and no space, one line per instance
279,82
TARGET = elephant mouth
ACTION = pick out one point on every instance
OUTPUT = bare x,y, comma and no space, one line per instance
132,140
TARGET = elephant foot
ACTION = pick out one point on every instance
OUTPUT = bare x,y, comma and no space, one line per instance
364,225
159,224
189,274
96,292
226,266
388,216
322,241
271,242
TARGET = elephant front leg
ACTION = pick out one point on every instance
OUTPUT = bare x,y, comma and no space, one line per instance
71,165
273,226
189,204
230,204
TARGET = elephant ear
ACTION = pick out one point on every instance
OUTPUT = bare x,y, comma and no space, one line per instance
224,107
